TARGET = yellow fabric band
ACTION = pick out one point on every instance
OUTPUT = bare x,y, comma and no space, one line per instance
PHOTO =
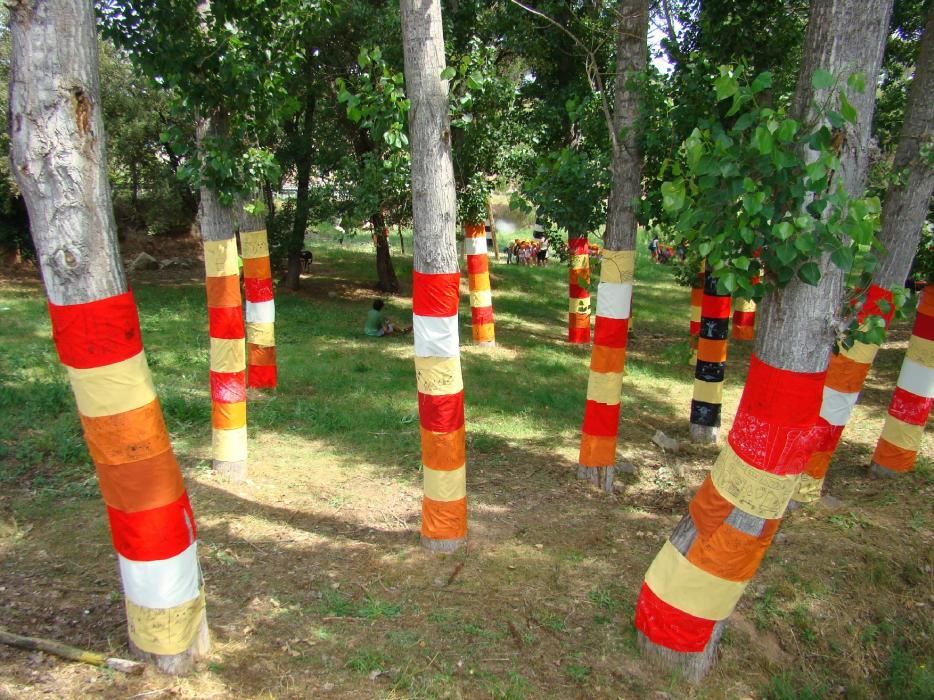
696,314
618,266
744,305
902,434
229,445
921,350
481,299
809,489
261,333
605,387
708,392
228,355
220,258
690,589
862,353
445,485
753,490
580,262
113,389
579,306
165,631
438,376
254,244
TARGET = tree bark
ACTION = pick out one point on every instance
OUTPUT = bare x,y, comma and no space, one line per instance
296,243
386,274
60,164
436,280
682,604
597,459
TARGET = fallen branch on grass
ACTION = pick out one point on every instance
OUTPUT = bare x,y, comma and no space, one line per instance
68,652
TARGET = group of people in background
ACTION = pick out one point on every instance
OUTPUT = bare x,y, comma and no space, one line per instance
527,252
662,253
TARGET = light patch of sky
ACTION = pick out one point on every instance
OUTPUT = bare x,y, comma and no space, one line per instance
659,56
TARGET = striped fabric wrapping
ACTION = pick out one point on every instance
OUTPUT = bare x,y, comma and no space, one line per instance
607,360
711,356
440,405
478,277
703,568
260,310
151,522
697,298
897,449
228,359
578,291
744,319
845,377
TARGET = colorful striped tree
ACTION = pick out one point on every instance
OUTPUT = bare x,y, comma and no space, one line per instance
260,301
435,281
711,363
744,319
697,300
61,168
579,289
478,282
614,293
698,577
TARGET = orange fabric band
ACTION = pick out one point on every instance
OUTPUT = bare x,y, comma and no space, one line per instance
257,267
261,354
597,451
444,520
126,437
223,291
606,359
443,451
711,350
228,416
893,457
143,485
730,553
845,375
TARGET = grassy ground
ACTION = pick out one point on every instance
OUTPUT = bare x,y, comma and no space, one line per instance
316,584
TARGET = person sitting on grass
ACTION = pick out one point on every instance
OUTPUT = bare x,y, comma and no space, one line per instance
378,325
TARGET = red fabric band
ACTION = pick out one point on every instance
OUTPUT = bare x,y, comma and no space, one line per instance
98,333
923,326
579,335
826,436
258,289
474,231
578,246
871,305
611,332
575,291
441,414
744,318
716,307
225,322
150,535
600,419
669,627
477,264
774,429
262,376
435,295
480,315
910,408
228,387
695,328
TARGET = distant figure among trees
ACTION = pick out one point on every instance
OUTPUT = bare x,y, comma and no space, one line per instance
378,325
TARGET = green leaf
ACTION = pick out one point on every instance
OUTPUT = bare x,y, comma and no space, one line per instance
809,273
448,73
762,81
762,140
786,253
673,196
842,258
727,282
835,118
787,131
857,82
744,122
725,86
752,202
846,109
741,262
822,79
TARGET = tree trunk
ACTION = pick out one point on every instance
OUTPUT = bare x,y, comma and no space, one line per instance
436,281
225,326
579,289
478,284
710,367
597,456
59,162
697,301
906,205
744,319
489,214
695,581
260,301
386,274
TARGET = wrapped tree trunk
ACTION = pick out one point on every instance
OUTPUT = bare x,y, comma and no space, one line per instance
225,327
579,290
260,302
697,300
903,213
898,446
694,583
744,319
597,457
710,367
436,281
478,283
57,147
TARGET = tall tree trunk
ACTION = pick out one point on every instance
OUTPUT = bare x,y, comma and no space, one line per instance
225,326
388,282
436,281
58,158
478,284
700,574
489,215
744,319
710,367
697,301
597,457
301,140
906,205
260,301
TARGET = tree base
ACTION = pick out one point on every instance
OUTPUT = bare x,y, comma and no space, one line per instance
442,546
179,664
601,477
486,344
693,666
706,434
234,471
878,470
